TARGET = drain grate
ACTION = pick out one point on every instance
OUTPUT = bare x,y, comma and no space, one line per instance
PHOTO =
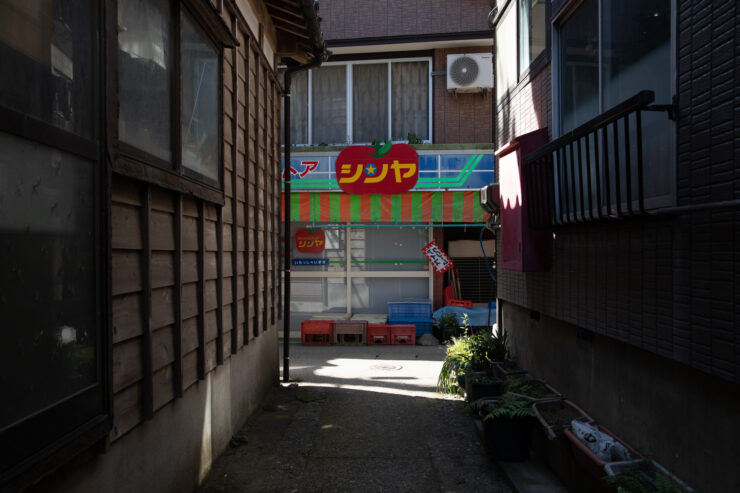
386,367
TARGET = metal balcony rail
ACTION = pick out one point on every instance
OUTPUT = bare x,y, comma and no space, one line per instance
592,173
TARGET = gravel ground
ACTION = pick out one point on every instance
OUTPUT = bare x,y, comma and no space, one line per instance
362,419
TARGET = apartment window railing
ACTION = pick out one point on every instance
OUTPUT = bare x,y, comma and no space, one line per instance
594,172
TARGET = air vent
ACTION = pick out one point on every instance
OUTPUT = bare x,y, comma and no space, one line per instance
464,71
469,72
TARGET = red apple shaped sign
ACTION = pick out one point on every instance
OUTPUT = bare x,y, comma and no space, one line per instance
310,240
387,169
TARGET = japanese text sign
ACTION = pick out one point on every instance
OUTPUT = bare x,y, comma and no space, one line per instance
310,240
439,260
390,169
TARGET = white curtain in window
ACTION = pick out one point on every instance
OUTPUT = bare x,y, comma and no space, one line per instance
329,105
370,102
410,100
299,108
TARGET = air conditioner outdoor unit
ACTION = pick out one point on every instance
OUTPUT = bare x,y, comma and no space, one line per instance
470,72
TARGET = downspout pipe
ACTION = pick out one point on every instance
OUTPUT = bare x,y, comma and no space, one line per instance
319,56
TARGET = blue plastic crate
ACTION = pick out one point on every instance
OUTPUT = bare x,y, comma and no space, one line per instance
423,325
411,308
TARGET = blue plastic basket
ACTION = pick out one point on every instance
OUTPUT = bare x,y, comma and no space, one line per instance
409,309
423,325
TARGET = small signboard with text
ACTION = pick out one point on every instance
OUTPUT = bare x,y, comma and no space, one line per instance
310,240
310,261
439,260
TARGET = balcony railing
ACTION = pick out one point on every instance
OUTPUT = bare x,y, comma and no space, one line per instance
594,172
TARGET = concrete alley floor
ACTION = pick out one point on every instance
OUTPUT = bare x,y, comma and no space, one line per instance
362,419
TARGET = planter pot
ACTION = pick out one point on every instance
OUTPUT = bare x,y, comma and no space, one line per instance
555,415
589,463
647,470
508,439
508,369
539,389
478,390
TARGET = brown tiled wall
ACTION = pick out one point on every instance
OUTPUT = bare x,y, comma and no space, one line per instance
350,19
670,285
466,118
527,108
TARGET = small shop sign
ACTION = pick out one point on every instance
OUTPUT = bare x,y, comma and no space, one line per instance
310,240
386,169
310,261
439,260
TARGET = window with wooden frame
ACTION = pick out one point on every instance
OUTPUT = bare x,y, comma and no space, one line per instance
53,338
169,92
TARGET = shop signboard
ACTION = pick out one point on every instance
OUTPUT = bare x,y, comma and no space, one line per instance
439,260
386,169
310,240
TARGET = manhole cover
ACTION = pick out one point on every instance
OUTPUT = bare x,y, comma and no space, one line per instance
386,367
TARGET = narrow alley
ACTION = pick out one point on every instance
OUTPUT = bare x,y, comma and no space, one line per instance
359,419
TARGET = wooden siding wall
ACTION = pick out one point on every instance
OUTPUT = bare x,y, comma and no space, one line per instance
193,282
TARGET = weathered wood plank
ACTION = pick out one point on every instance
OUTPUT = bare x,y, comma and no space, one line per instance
201,290
210,298
163,308
126,227
210,356
211,265
189,303
163,351
126,411
125,272
177,302
163,200
189,369
163,387
189,267
147,397
211,326
189,335
125,191
163,269
162,231
190,234
126,317
127,367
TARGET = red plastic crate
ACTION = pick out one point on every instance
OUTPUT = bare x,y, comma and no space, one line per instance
317,332
403,335
378,334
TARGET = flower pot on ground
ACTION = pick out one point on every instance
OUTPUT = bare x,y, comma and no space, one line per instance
507,427
471,352
591,463
643,476
481,384
509,369
550,445
531,388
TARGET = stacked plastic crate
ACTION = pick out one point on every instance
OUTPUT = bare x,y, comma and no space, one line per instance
414,312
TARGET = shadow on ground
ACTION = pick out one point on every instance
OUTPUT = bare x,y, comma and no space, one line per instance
359,419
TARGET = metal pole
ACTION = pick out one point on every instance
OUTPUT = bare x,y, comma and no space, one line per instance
286,231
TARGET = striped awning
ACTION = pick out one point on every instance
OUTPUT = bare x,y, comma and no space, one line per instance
422,207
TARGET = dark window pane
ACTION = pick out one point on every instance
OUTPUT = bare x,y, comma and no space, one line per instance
144,65
47,282
531,31
579,66
200,109
46,61
410,100
370,102
329,105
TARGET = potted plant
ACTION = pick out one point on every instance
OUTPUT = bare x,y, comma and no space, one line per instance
507,426
549,443
593,452
531,388
481,384
500,356
456,364
643,476
449,327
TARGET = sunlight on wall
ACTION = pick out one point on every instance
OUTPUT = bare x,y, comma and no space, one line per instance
206,445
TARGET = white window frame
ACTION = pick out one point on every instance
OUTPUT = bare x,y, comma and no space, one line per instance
566,12
349,93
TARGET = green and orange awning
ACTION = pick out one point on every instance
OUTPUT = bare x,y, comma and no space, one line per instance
410,207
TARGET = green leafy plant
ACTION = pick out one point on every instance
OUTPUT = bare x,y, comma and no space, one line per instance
456,363
640,480
507,406
449,326
414,139
500,345
528,386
